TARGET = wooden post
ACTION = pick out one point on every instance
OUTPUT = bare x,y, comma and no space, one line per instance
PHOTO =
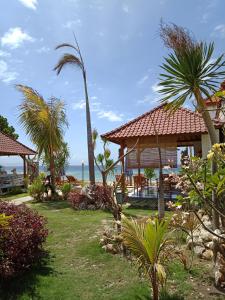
139,159
24,170
123,186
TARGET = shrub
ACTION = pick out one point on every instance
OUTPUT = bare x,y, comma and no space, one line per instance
66,189
92,197
21,241
37,188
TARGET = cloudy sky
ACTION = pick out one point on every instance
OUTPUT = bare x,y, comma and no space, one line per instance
121,47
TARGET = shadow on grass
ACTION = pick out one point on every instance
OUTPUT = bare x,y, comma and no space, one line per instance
27,282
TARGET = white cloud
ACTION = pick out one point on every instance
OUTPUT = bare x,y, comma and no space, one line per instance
15,37
43,49
142,80
96,108
72,23
79,105
125,8
110,116
30,3
219,31
155,87
5,75
152,97
4,53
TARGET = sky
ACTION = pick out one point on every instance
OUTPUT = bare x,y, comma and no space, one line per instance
121,48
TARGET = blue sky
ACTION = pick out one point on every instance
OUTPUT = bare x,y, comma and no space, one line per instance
121,48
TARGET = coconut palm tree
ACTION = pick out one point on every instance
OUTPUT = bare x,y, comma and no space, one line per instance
76,59
190,72
148,242
44,122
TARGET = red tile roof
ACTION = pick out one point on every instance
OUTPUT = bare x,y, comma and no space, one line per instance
182,121
9,146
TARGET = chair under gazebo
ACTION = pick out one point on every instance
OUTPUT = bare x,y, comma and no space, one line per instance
10,147
159,128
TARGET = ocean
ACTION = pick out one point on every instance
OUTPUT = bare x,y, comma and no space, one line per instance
76,171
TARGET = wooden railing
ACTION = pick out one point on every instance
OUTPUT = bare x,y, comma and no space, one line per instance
10,181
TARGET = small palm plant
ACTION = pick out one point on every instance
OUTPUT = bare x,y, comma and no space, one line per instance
148,241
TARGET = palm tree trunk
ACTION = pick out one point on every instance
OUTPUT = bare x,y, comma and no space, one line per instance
155,289
213,139
89,135
52,173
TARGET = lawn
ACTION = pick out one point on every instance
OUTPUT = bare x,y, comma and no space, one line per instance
77,267
12,197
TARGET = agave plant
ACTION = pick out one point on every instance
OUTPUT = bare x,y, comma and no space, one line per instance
148,241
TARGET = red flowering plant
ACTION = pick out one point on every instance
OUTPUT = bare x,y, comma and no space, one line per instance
21,243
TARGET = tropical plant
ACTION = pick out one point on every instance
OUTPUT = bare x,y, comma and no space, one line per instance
61,160
22,240
190,72
66,189
76,59
148,241
7,129
44,122
149,173
103,160
4,220
37,188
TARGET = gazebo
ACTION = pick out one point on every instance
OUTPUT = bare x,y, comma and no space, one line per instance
160,128
11,147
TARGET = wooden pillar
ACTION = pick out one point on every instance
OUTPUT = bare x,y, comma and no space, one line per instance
139,159
123,186
24,170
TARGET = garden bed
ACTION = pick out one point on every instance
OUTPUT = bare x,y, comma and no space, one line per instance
77,267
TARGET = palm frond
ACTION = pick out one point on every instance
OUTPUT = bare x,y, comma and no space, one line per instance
190,70
67,59
66,45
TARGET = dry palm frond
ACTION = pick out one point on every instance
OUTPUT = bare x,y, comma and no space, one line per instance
67,59
176,37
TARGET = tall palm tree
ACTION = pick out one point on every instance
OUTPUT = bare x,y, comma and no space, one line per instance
44,122
190,72
76,59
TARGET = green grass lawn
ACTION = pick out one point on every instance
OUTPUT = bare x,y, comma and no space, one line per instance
77,267
12,197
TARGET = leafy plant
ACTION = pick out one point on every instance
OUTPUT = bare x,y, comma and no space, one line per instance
66,189
149,173
7,129
147,240
37,188
22,240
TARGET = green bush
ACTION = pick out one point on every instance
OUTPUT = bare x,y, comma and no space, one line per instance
66,189
149,173
37,188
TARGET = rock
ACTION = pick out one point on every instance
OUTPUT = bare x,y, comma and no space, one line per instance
205,218
207,254
220,271
217,231
110,248
209,245
206,236
199,250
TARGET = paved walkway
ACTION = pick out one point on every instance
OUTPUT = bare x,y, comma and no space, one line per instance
21,200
